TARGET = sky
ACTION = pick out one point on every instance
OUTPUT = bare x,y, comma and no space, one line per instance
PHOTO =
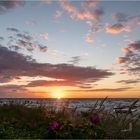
69,49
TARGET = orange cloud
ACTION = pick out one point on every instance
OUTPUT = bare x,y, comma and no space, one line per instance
125,50
67,6
131,60
89,38
117,28
90,15
82,13
121,60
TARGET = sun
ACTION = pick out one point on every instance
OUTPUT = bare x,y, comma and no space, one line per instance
57,94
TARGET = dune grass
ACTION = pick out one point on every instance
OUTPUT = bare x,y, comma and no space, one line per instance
21,122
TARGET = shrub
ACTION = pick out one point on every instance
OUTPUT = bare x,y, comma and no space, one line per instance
20,122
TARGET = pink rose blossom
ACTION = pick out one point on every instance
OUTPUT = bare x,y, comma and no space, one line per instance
95,119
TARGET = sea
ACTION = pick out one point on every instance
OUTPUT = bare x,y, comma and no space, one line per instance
81,104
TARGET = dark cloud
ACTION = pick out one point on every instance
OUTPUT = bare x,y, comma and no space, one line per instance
131,61
11,60
51,83
86,85
68,82
18,91
24,41
6,78
96,28
1,38
101,90
128,23
43,48
134,45
13,64
135,20
129,81
75,60
6,5
120,17
24,36
12,29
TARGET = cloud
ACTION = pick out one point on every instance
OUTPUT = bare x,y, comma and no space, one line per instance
101,90
89,15
87,11
58,14
12,91
130,61
89,23
14,64
75,60
31,22
24,36
134,45
134,20
25,41
129,81
19,91
7,5
117,28
120,17
89,4
47,2
1,38
121,60
127,23
55,53
43,48
44,36
12,29
126,50
96,28
89,37
82,14
51,83
68,6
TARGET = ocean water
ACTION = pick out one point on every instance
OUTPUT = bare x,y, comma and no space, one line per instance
82,104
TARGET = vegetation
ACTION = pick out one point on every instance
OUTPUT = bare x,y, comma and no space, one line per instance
18,121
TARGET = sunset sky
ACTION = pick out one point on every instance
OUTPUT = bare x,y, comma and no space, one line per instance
69,49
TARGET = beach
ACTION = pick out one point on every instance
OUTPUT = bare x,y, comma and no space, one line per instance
80,104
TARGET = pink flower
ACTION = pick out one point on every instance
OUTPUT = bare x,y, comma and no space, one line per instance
54,125
95,119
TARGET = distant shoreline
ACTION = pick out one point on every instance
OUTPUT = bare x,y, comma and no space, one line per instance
69,98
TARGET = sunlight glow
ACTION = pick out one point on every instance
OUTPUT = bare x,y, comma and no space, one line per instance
58,93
